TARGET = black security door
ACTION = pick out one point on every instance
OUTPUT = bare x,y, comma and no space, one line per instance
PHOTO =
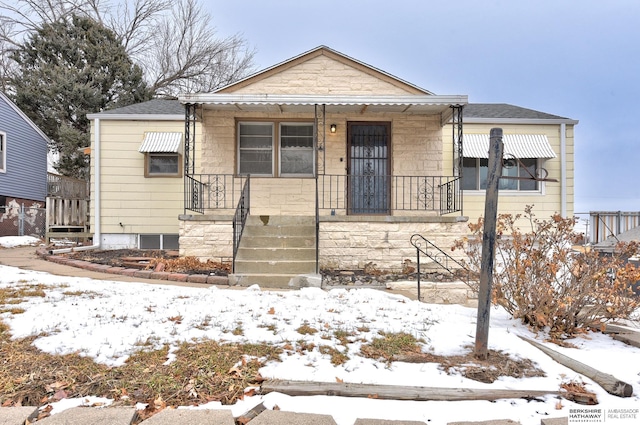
368,168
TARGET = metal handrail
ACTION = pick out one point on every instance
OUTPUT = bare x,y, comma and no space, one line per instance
240,218
439,257
317,230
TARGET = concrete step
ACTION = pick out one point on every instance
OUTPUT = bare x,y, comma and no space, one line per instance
274,250
282,231
279,220
277,254
276,280
275,266
277,241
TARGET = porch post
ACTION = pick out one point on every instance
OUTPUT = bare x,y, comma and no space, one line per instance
189,138
320,140
457,129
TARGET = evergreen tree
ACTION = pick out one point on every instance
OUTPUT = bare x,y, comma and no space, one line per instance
68,69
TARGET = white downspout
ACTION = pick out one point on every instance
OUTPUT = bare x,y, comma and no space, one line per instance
95,153
563,169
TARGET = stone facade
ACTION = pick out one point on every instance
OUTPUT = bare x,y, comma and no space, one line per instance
206,237
382,242
345,243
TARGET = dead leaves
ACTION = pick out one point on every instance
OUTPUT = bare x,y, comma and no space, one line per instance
40,414
577,392
153,407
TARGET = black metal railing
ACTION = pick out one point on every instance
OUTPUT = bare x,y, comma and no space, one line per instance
240,218
367,194
441,259
212,191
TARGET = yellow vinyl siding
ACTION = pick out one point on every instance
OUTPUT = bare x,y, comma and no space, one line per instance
546,202
142,205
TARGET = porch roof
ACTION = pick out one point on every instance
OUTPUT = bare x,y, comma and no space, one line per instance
411,104
518,145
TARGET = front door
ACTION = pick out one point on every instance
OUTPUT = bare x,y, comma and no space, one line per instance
368,172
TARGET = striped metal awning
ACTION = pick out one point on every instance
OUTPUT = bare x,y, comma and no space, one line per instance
518,145
161,142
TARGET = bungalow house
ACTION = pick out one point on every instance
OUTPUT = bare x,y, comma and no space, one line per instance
23,172
321,161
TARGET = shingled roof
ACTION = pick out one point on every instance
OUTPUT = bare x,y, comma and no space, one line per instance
151,107
504,110
470,111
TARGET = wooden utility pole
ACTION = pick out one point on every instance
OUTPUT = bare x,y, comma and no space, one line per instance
496,148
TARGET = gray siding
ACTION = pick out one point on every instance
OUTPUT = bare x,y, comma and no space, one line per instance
26,151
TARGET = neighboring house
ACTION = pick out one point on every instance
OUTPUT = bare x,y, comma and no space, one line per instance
335,163
23,172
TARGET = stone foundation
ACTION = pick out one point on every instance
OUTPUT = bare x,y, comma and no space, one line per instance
358,242
346,242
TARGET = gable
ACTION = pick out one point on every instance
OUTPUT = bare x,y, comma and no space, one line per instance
323,72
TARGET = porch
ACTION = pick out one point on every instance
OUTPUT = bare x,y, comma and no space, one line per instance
340,232
366,171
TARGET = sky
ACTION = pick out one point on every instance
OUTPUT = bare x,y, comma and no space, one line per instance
107,320
575,59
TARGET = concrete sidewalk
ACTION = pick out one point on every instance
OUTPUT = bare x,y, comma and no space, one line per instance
125,416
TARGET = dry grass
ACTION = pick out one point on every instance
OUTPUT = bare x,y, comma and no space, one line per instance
404,347
201,372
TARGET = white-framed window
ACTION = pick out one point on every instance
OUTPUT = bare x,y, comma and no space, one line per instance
296,149
475,170
163,164
3,152
282,149
255,145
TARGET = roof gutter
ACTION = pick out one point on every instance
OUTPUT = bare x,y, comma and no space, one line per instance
472,120
269,99
96,196
563,169
135,117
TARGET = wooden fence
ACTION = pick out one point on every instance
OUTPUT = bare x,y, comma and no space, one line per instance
67,208
604,224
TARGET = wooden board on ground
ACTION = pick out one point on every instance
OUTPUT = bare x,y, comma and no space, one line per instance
610,383
393,392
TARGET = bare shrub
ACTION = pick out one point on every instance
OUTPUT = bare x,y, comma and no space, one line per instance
539,278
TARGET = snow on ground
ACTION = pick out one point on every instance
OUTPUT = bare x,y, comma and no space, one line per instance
14,241
107,320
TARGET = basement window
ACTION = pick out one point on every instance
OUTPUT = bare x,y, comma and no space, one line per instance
158,241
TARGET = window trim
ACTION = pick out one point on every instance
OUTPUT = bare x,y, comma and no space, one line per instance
280,149
273,132
511,192
147,164
3,152
276,146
